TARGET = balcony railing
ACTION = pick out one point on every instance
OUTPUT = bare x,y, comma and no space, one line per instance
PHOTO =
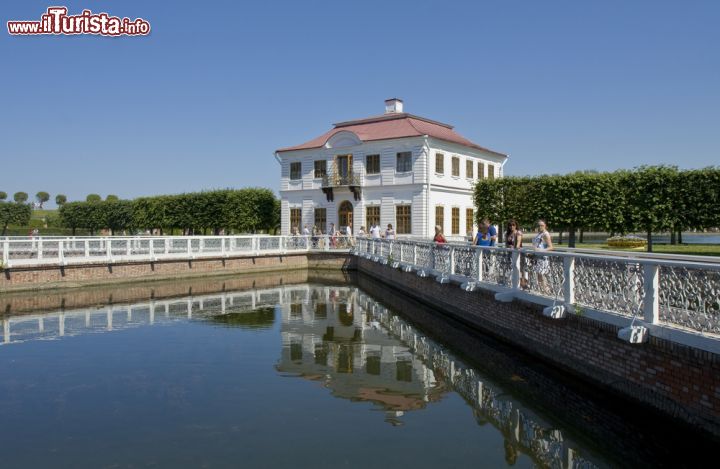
337,179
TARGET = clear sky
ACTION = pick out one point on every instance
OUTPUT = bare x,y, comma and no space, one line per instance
205,99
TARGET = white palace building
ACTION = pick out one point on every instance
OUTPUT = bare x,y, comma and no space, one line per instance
394,168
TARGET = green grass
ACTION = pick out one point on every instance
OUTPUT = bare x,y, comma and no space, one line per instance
685,249
37,214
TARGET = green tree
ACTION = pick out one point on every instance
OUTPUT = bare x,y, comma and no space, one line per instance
3,196
20,197
14,214
112,198
60,200
93,198
651,193
42,197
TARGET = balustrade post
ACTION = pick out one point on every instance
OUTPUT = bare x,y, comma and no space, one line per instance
515,277
166,241
401,250
189,246
6,253
452,260
414,260
86,245
40,248
480,264
152,248
129,245
327,243
569,277
222,245
61,255
201,247
651,284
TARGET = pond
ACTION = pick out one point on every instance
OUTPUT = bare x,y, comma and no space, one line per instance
318,373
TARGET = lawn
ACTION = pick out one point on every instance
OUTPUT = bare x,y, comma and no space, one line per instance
686,249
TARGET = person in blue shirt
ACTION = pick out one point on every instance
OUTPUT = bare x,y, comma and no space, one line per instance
487,234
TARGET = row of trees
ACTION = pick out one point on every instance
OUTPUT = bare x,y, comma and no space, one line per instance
60,199
647,199
13,213
244,210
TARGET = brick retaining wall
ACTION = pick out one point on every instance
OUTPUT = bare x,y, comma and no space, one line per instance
42,277
677,380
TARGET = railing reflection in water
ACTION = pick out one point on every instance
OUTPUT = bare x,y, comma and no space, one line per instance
359,348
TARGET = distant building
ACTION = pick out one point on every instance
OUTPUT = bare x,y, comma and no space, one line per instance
394,168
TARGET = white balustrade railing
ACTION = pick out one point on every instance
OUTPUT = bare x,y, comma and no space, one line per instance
27,251
675,298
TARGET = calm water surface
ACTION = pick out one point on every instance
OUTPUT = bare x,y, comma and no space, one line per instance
304,375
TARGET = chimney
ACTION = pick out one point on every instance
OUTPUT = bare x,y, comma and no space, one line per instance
393,105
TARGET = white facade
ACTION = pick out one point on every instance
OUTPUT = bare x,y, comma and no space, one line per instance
421,188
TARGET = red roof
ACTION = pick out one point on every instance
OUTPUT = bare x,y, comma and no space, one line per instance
394,125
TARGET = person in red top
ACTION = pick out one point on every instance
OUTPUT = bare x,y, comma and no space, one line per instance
439,237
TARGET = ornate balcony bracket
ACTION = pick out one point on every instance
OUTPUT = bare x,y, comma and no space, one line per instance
328,191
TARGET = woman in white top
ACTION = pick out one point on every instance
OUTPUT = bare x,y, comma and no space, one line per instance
389,232
542,242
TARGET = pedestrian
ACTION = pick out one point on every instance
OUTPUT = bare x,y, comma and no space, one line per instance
513,236
375,231
389,232
439,237
306,231
333,235
490,230
542,242
349,234
483,236
362,233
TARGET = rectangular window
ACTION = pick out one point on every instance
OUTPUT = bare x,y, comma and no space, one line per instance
403,219
491,171
440,217
456,166
469,169
404,162
469,220
295,170
455,220
372,164
295,218
320,169
481,170
321,219
372,216
439,163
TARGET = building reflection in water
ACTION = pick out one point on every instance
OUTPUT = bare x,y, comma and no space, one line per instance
343,338
363,352
328,336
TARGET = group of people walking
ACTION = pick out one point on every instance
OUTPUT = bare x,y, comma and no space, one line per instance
487,236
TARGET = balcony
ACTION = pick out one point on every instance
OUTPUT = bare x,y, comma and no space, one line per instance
338,179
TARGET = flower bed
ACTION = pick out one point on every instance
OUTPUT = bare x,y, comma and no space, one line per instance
626,242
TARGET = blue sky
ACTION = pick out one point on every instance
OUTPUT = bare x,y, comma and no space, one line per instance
204,100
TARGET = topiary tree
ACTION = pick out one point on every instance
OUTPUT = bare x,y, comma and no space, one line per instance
112,198
93,198
42,197
60,199
20,197
3,195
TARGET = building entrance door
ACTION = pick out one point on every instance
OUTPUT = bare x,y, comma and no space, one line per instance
345,214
